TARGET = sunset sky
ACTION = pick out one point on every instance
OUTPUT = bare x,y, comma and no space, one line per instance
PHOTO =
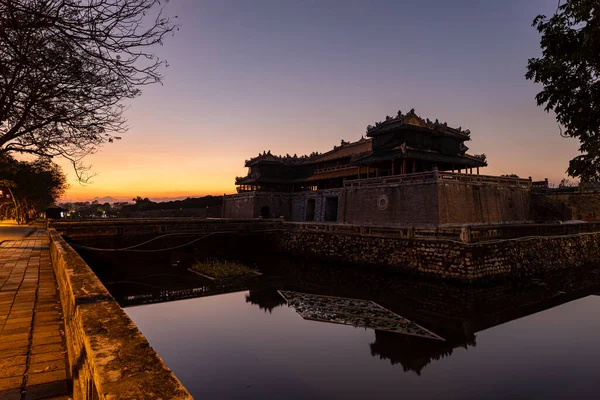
299,76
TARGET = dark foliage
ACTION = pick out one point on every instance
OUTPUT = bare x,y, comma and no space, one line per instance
31,187
143,207
569,70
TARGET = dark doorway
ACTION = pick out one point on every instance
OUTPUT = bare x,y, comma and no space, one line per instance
331,208
310,210
55,212
265,212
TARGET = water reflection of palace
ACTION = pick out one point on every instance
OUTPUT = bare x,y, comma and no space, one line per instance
454,312
413,353
266,299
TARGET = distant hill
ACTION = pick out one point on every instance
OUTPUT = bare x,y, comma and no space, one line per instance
106,199
165,199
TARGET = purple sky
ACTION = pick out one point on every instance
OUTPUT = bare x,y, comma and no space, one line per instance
299,76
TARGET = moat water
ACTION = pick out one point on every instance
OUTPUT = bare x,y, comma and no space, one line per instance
538,338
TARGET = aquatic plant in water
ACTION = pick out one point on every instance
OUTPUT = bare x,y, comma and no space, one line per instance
222,269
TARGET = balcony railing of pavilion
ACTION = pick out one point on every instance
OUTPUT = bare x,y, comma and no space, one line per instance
434,176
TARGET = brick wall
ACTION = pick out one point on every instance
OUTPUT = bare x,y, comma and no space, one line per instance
412,204
277,204
299,208
566,206
476,203
250,205
432,203
239,206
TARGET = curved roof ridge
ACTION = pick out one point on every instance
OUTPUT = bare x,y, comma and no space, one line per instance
411,118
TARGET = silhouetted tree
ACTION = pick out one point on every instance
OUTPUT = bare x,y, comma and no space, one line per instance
66,66
32,186
569,71
139,200
567,183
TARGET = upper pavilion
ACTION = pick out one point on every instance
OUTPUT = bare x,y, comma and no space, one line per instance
400,145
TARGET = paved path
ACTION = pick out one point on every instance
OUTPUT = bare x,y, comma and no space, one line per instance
32,346
13,231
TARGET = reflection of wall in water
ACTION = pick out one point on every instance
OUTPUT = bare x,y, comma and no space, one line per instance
444,308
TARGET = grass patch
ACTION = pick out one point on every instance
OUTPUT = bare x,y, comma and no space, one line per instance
219,269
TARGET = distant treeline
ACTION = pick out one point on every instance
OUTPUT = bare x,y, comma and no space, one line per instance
207,206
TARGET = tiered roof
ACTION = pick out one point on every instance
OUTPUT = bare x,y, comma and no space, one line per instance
411,119
345,149
287,159
353,150
426,155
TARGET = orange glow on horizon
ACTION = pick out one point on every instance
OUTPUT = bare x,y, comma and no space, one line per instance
184,167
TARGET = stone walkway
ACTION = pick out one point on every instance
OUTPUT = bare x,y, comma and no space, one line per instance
32,346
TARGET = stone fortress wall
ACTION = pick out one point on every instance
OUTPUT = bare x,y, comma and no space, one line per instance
482,203
549,206
413,200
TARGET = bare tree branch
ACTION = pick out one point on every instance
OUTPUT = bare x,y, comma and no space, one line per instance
66,66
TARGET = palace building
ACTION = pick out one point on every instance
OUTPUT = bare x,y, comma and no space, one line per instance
407,171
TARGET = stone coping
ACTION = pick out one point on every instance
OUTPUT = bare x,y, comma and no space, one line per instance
109,358
167,226
193,220
467,233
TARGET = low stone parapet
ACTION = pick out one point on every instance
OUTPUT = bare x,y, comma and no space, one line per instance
98,228
109,358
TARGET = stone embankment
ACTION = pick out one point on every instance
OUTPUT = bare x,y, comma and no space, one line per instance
108,357
466,253
449,258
